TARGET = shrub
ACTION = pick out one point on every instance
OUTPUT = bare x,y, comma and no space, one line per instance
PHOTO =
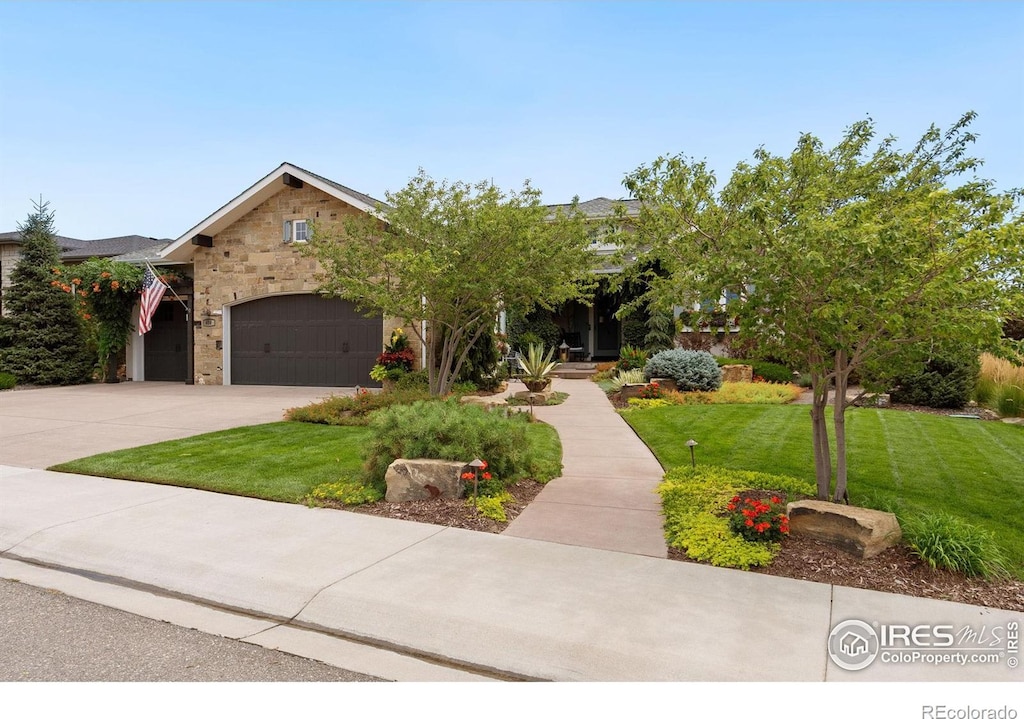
355,410
7,380
946,542
417,380
534,327
661,332
692,370
755,393
1001,386
639,403
452,431
631,357
634,331
941,382
768,371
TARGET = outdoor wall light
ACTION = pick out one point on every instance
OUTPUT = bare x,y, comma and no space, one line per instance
691,443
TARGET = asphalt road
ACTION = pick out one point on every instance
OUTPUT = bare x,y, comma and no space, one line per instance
48,636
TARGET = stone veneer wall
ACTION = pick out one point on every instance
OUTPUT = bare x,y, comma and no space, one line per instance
250,260
9,256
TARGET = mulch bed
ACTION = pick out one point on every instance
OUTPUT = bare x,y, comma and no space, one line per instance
896,571
451,512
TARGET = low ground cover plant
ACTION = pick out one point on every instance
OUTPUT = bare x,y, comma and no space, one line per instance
946,542
730,393
7,380
696,501
692,370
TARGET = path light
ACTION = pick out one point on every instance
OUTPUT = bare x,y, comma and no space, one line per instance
691,443
476,464
563,351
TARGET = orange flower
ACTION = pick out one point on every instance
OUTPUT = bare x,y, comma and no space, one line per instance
114,285
76,281
66,288
95,286
104,274
87,316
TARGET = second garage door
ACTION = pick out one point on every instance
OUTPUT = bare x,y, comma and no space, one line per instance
303,340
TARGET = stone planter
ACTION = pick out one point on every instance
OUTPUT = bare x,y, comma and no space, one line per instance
737,373
537,385
669,385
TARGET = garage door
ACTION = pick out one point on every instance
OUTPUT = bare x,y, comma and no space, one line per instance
303,340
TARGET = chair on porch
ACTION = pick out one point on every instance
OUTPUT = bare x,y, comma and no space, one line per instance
575,341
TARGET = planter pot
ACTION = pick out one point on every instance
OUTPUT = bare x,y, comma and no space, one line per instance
537,385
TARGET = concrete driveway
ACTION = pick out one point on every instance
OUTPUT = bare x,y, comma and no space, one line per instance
46,426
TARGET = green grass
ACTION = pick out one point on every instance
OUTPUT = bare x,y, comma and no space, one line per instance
914,462
282,461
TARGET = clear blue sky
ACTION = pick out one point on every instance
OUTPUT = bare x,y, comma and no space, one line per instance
143,118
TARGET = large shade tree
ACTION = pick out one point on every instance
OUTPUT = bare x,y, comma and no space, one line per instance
838,259
450,255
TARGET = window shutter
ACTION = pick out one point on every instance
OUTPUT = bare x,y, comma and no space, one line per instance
287,231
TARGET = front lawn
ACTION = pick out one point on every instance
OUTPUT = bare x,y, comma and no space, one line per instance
282,461
970,469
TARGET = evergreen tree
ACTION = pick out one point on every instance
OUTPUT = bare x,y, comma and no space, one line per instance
46,339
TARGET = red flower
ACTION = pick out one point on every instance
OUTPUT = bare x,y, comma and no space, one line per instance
468,475
487,475
730,507
483,464
749,522
776,500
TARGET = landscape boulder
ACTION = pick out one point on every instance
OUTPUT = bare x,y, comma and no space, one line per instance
737,373
539,398
411,479
859,531
489,402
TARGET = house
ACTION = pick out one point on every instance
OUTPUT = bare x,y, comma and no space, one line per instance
73,251
256,316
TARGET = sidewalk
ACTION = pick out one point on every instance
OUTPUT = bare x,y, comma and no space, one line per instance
605,497
496,604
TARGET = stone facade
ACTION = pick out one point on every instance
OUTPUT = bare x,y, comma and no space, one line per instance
9,256
250,260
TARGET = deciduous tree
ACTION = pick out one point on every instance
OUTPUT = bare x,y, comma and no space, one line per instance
840,258
452,254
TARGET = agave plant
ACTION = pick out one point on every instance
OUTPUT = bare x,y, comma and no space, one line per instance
628,376
537,367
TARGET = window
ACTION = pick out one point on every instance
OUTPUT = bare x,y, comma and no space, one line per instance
296,231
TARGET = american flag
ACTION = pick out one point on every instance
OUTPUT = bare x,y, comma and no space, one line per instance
152,291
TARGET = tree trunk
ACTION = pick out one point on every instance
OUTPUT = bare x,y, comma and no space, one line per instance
839,422
822,456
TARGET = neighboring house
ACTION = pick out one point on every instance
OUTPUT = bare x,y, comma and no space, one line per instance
257,318
72,251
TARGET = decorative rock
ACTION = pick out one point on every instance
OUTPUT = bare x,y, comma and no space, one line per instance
666,383
489,402
859,531
737,373
411,479
631,390
539,398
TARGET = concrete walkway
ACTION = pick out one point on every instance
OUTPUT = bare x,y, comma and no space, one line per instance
440,602
605,497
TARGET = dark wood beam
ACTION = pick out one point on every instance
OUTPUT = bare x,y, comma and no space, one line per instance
202,241
292,181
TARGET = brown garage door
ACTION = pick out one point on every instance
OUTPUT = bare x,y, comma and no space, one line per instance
303,340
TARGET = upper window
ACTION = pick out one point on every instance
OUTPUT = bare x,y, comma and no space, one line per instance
300,231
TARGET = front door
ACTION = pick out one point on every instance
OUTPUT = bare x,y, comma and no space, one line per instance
609,329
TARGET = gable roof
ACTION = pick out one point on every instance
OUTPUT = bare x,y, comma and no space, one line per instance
600,207
75,249
265,188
